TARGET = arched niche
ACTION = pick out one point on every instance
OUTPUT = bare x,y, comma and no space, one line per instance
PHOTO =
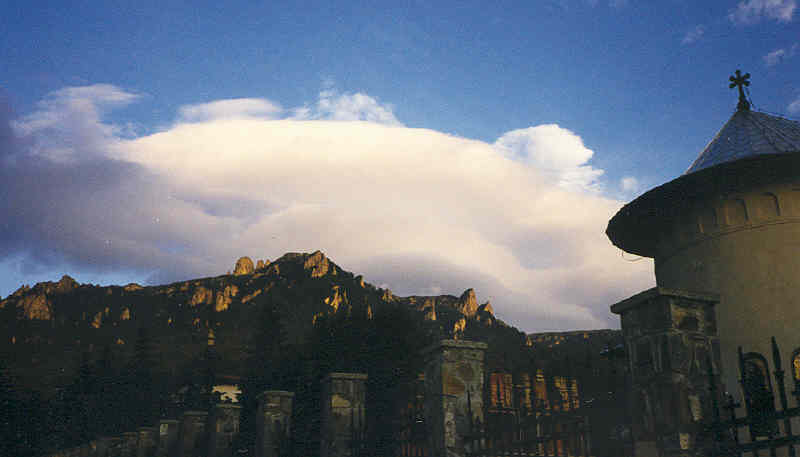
795,364
759,398
765,206
707,219
735,211
755,374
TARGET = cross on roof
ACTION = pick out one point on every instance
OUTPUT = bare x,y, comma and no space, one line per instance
741,80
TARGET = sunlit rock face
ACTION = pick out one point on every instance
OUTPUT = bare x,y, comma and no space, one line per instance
244,266
317,263
36,307
467,303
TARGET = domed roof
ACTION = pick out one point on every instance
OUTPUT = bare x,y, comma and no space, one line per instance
748,134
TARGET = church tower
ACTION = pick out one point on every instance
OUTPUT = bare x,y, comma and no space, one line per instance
730,225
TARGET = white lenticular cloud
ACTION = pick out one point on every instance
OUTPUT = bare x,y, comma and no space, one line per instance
237,108
519,220
752,11
554,151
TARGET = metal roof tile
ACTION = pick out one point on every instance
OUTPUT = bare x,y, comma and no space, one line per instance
746,134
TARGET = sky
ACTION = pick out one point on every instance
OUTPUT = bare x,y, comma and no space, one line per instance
430,146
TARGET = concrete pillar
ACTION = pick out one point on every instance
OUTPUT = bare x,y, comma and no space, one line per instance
193,433
273,421
148,439
670,337
130,440
454,378
168,431
223,427
343,415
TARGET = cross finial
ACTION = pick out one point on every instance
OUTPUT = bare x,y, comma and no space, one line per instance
741,80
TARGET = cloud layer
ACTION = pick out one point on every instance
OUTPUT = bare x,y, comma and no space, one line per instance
521,220
752,11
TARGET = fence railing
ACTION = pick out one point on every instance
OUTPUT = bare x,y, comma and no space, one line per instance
762,428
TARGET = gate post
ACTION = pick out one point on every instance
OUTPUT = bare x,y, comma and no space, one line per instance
273,421
222,428
343,415
192,432
454,378
167,437
147,441
670,337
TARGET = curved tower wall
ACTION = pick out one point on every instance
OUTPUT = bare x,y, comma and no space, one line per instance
744,246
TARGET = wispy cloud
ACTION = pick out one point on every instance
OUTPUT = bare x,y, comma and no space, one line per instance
752,11
629,184
693,35
794,107
519,219
779,55
236,108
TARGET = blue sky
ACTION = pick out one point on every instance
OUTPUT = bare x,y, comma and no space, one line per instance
571,108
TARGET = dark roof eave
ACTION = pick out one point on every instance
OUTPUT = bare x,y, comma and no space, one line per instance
635,226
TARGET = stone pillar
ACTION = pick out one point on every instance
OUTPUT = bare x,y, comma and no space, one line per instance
129,442
670,337
454,378
223,427
168,432
343,415
148,439
273,421
193,433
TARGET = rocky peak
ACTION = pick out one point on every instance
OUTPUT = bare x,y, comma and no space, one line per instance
65,284
244,266
467,303
317,263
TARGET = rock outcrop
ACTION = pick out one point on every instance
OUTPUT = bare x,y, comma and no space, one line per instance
428,308
485,314
244,266
225,298
317,263
132,287
201,295
467,303
36,307
66,284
